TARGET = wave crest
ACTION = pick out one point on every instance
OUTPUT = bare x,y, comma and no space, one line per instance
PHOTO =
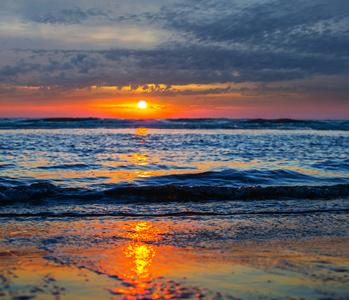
43,193
183,123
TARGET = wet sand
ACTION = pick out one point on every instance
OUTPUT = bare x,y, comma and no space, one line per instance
164,258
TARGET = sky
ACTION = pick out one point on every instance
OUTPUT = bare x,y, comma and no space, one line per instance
185,58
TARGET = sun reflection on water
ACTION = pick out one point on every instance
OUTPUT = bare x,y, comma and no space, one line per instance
139,159
142,131
138,255
141,255
138,250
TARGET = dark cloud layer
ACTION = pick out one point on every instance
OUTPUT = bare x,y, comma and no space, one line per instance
216,42
172,66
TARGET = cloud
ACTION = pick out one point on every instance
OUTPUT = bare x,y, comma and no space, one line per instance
68,16
210,42
178,65
305,26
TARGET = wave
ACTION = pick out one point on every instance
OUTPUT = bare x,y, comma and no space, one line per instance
80,176
66,166
72,214
46,193
237,178
182,123
65,119
276,121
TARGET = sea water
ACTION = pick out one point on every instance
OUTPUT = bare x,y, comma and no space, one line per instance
113,159
184,203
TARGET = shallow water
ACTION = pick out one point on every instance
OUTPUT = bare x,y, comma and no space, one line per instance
188,257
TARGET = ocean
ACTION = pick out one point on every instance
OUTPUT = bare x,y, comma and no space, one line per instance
202,184
113,160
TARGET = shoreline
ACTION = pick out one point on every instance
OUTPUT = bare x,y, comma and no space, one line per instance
187,257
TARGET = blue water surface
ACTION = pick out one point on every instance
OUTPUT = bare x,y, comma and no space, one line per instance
105,157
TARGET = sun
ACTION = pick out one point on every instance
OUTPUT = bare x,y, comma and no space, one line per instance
142,104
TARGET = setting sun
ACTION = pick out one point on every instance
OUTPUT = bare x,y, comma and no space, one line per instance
142,104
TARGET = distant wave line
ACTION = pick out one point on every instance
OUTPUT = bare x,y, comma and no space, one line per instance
182,123
172,214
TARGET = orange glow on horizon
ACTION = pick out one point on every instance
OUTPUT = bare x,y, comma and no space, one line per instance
215,100
130,109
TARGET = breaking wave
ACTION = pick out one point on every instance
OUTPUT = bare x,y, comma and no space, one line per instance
44,193
44,200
